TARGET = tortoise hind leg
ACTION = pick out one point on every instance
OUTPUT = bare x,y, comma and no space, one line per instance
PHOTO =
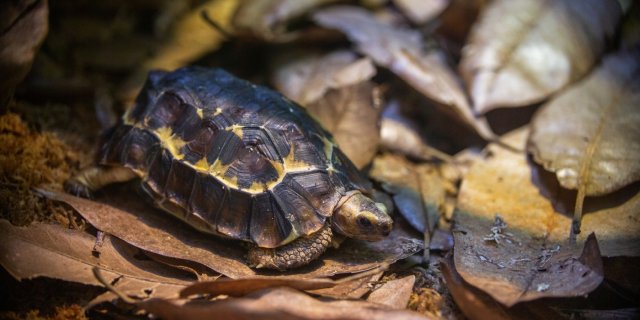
93,178
295,254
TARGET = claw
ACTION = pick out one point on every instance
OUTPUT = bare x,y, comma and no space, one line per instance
77,189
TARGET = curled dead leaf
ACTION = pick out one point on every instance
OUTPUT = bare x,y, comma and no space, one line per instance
191,37
351,114
131,219
336,91
275,303
476,304
394,293
24,25
241,287
418,189
402,51
512,242
306,77
268,19
522,51
56,252
590,134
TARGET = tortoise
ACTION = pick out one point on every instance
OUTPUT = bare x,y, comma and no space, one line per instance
240,161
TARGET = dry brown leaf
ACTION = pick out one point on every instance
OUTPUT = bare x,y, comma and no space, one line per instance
510,262
274,303
353,289
56,252
268,18
519,267
399,136
394,293
476,304
190,38
351,114
402,51
241,287
457,20
590,134
133,220
306,77
24,25
418,189
509,185
421,11
336,91
521,51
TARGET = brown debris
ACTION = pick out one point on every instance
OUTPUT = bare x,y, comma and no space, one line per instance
29,159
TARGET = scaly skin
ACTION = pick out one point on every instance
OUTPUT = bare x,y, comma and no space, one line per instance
292,255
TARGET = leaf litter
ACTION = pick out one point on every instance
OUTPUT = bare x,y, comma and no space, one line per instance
52,251
287,22
589,135
511,242
137,223
336,91
274,303
402,51
520,52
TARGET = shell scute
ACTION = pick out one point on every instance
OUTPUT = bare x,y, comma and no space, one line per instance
269,227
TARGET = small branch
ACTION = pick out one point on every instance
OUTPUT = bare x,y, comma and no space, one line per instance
98,274
383,267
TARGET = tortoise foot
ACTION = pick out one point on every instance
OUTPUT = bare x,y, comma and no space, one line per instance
295,254
78,189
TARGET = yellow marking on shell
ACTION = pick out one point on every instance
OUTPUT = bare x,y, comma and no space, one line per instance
218,169
170,141
289,164
200,112
126,117
218,111
237,129
257,187
202,165
293,235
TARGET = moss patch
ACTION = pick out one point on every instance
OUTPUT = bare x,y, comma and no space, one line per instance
31,159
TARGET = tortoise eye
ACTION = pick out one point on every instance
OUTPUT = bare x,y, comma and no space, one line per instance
363,221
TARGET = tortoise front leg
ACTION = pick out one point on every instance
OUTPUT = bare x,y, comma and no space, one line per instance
93,178
295,254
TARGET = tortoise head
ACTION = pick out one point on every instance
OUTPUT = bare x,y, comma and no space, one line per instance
357,216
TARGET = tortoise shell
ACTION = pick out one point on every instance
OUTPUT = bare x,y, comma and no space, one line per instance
231,158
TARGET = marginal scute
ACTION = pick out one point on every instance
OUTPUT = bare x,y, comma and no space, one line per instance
269,228
233,220
179,184
207,197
